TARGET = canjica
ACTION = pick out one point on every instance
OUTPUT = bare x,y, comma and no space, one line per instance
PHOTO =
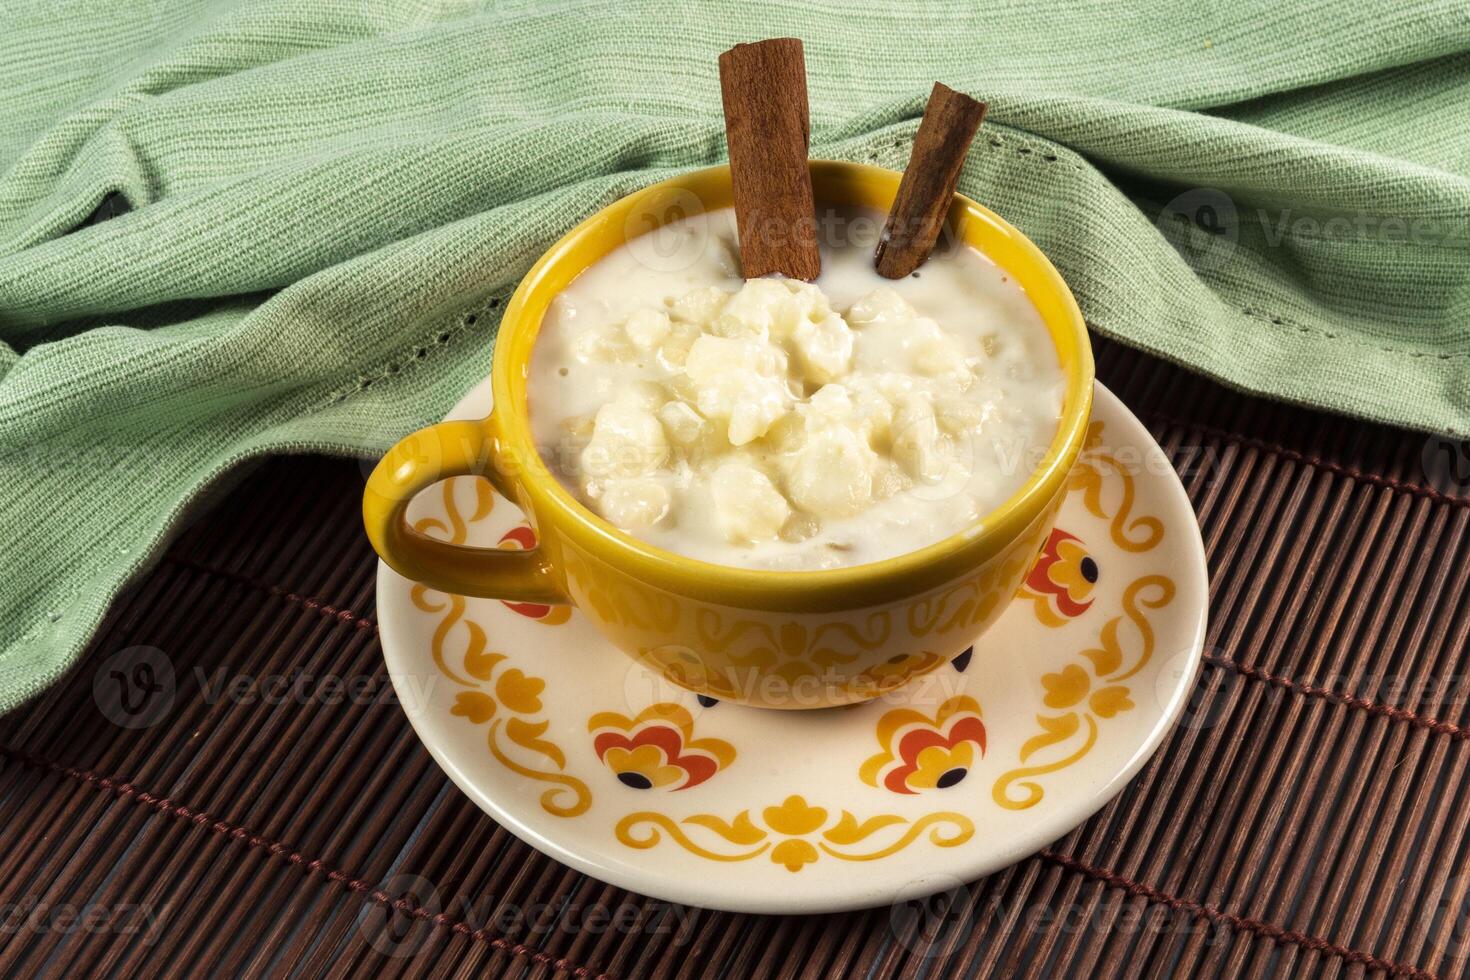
778,424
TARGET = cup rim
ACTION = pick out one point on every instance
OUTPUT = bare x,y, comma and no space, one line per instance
886,580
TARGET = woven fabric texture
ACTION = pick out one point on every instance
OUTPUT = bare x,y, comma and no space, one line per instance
330,201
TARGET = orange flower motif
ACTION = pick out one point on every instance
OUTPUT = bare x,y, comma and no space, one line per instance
657,749
794,818
922,753
1066,687
1060,584
520,538
795,833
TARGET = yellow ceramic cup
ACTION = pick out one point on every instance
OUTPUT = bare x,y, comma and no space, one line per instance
775,639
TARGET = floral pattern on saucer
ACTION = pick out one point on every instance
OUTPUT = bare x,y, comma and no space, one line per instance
606,766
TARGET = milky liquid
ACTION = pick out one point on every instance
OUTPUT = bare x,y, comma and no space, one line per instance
925,427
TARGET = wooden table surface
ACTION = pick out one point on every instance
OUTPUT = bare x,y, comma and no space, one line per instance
1308,818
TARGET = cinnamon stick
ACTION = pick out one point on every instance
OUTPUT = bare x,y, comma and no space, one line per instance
764,90
924,194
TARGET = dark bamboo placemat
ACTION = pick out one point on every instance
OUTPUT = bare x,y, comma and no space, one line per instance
1308,819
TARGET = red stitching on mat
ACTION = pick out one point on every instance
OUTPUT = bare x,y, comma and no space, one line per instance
1376,708
1240,923
313,603
312,866
1369,705
1297,456
1372,707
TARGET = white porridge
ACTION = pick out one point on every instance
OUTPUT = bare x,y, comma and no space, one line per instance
785,425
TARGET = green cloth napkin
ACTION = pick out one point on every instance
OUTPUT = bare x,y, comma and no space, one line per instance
332,199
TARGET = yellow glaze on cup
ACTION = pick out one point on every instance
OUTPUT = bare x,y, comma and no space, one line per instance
774,639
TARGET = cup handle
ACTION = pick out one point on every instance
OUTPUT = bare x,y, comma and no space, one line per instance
420,460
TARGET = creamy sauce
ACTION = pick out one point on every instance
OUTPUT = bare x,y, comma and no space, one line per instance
781,425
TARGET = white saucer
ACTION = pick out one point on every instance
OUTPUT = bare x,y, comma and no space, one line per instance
590,758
